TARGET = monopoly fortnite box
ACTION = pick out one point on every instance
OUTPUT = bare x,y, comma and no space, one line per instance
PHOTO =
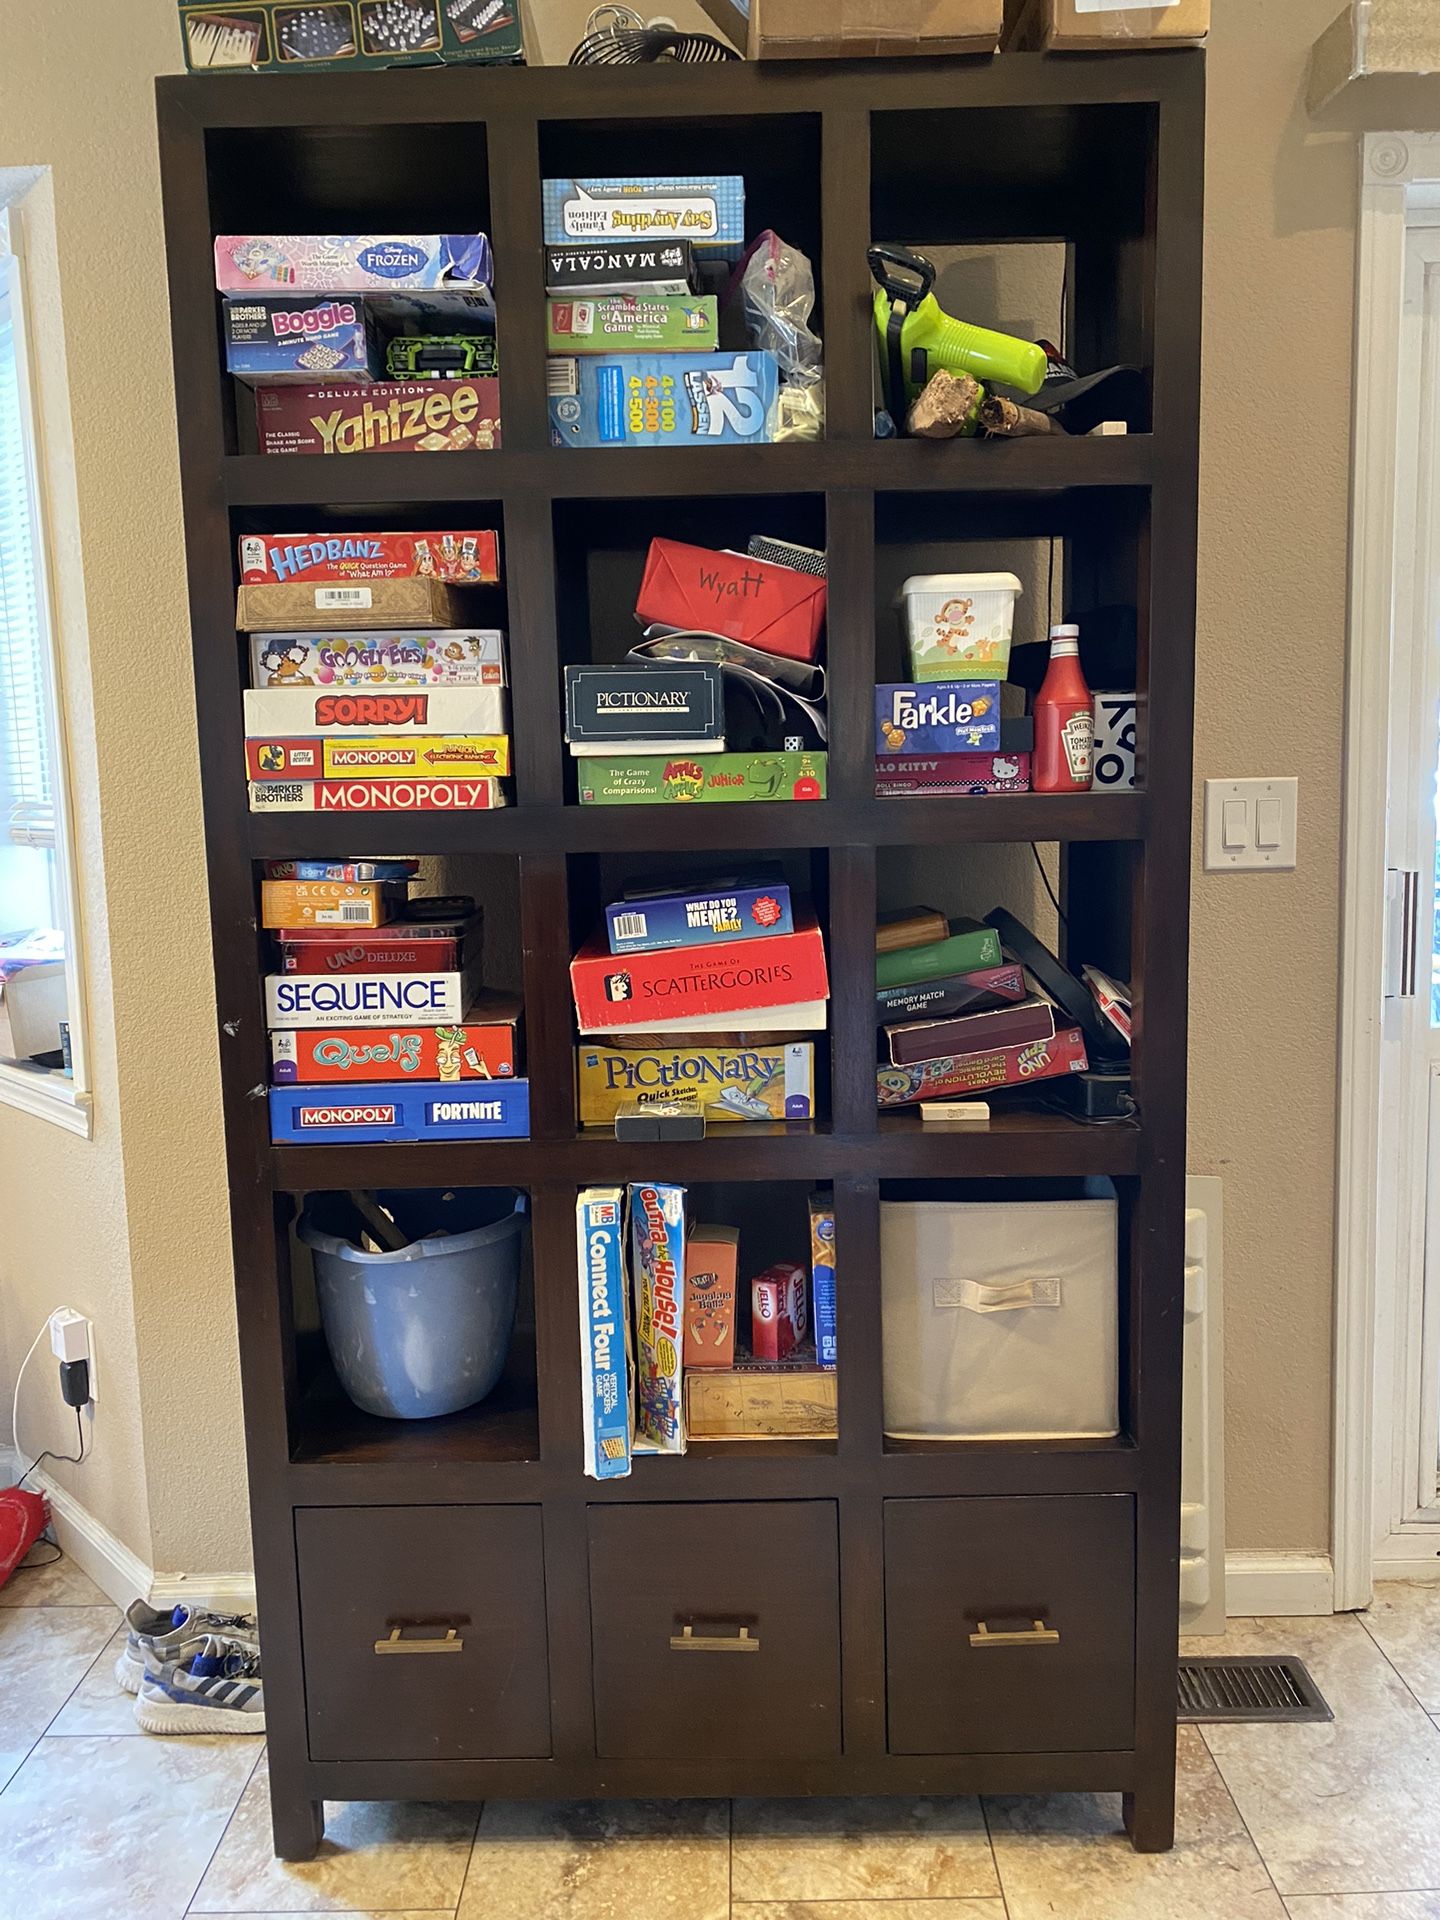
769,1080
453,657
648,779
401,1110
279,713
710,214
699,917
659,399
435,997
480,1047
420,416
351,262
978,1072
376,796
604,1331
936,717
301,340
647,989
461,559
633,323
378,756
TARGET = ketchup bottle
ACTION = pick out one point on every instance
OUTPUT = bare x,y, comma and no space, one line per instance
1064,720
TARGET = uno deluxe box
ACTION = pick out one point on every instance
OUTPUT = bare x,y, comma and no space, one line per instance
657,1272
652,268
378,756
937,717
480,1047
738,909
647,989
434,997
604,1331
299,339
402,1110
777,609
978,1072
376,796
351,262
279,559
281,713
659,399
421,416
402,946
773,1079
633,323
710,214
648,779
449,657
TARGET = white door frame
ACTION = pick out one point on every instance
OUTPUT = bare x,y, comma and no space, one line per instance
1400,187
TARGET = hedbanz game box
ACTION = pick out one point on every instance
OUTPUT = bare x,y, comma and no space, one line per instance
391,1110
278,559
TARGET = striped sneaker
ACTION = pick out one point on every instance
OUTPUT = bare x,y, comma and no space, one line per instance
173,1635
218,1690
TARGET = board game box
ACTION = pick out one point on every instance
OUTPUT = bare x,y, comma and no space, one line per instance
657,1272
659,399
376,796
648,779
604,1332
976,1072
633,323
301,339
913,1042
952,993
291,712
436,996
401,1110
419,416
764,1080
709,213
459,558
952,773
481,1047
822,1277
650,268
351,262
794,1400
377,757
936,717
380,661
711,1268
730,910
646,990
341,869
403,946
330,903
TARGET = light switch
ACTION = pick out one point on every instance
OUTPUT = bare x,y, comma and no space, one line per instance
1250,825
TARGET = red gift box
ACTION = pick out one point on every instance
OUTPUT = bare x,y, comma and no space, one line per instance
777,609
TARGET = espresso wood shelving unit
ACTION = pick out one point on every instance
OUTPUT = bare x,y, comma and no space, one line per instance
863,1559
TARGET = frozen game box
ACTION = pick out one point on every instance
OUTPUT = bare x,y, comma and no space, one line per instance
379,662
604,1331
662,399
351,262
401,1110
769,1080
657,1266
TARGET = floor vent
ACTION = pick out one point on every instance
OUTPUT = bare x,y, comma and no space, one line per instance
1250,1688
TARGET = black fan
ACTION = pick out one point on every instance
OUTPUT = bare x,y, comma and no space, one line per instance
618,37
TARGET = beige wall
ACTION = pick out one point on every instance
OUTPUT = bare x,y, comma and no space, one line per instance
144,1204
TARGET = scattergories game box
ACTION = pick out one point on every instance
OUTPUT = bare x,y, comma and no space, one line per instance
651,990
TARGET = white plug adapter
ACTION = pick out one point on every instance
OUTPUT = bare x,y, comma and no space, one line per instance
69,1335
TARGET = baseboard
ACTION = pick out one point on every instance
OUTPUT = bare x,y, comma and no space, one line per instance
1292,1584
122,1576
1409,1555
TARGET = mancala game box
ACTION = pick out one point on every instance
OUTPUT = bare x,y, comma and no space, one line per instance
401,1110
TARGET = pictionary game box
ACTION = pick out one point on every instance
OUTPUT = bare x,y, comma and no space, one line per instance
461,559
604,1331
481,1047
710,214
458,657
408,1110
659,399
767,1080
420,416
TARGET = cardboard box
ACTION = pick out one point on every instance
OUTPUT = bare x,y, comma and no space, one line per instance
661,399
777,1311
711,1261
903,773
763,1080
822,1277
975,1072
796,1400
915,1041
296,712
379,661
434,997
604,1331
350,262
657,1271
1078,26
645,990
376,796
419,416
653,779
777,609
419,1110
454,558
301,339
861,29
1116,716
481,1047
936,717
377,756
657,700
330,903
709,213
651,268
699,917
366,605
633,323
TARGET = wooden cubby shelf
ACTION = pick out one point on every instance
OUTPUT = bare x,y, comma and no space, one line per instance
865,1560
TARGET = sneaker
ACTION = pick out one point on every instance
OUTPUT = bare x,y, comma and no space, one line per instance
218,1690
173,1636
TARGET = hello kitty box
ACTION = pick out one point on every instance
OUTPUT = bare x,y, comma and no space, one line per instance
958,625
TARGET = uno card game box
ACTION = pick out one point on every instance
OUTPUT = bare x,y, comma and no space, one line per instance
633,323
661,399
657,1271
769,1080
377,796
378,756
351,262
604,1332
978,1072
456,657
421,416
937,717
648,779
396,1110
481,1047
404,946
710,214
460,559
731,910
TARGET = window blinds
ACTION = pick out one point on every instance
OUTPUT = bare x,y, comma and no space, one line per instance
27,814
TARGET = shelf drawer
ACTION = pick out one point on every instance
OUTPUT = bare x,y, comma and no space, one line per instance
960,1573
716,1630
458,1593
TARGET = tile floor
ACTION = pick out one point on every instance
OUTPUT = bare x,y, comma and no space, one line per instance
1334,1822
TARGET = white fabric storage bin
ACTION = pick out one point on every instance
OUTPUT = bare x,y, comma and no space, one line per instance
1001,1319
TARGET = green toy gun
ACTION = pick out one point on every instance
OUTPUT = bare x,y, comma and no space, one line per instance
918,338
429,356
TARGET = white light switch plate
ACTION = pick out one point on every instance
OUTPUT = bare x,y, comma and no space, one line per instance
1250,825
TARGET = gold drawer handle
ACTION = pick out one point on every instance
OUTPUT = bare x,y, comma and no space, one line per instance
688,1641
1037,1636
452,1643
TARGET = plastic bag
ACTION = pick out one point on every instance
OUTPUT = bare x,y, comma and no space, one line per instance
777,290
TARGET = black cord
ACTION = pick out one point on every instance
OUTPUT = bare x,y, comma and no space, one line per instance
60,1459
33,1566
1035,851
1050,587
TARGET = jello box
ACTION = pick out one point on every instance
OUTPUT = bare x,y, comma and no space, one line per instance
419,416
937,717
401,1110
350,262
777,1311
301,339
635,323
465,558
661,399
448,657
481,1047
647,779
605,1397
769,1080
709,213
657,1271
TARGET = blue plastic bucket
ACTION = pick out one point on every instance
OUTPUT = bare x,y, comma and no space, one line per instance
425,1330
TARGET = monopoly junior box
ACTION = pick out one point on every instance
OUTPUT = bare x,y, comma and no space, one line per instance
661,399
604,1331
401,1110
297,712
376,796
709,213
379,661
421,416
483,1046
976,1072
633,323
460,558
377,756
645,779
771,1080
937,717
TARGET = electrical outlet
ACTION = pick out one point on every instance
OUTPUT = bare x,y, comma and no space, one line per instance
72,1337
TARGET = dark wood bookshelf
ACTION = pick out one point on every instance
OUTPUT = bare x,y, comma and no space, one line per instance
486,1513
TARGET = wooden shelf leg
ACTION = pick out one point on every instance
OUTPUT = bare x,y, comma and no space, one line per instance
1149,1814
298,1824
